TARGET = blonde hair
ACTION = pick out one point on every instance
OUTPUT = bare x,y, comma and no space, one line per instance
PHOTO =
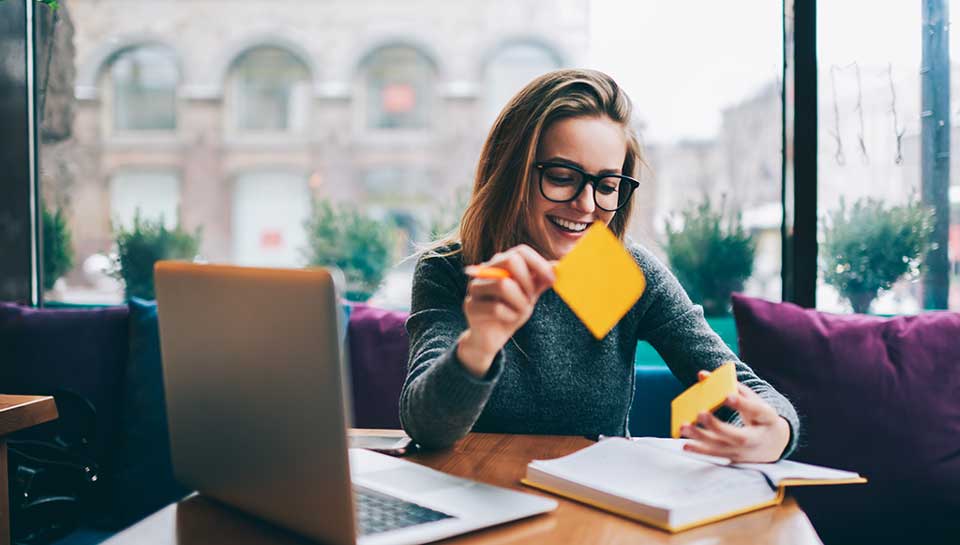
496,217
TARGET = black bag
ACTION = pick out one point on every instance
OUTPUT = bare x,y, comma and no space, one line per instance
54,479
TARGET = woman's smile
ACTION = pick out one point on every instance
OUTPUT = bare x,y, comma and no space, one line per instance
567,227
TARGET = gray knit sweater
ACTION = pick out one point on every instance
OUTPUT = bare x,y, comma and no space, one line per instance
553,377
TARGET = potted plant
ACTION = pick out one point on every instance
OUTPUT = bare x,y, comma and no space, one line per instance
359,246
143,244
711,255
57,247
867,248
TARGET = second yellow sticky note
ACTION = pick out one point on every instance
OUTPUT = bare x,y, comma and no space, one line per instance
705,396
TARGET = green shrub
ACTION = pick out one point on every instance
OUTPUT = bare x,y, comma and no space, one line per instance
57,247
871,247
361,247
145,243
711,257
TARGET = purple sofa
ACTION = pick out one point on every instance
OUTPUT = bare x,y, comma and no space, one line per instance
110,356
878,396
87,351
377,347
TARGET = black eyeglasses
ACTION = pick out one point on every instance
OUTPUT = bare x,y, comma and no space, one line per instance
560,182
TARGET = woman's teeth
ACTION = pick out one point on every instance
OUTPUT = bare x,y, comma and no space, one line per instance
573,226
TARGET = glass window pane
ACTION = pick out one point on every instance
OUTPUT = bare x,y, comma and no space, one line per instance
144,83
269,91
709,114
399,87
882,188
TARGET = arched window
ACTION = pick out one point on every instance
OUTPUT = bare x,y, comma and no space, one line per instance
399,86
511,68
268,90
152,194
142,84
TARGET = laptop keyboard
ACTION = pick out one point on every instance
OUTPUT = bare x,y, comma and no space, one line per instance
378,512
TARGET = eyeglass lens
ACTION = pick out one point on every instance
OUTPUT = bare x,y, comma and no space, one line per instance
560,184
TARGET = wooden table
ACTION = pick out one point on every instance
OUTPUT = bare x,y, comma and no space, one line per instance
17,413
496,459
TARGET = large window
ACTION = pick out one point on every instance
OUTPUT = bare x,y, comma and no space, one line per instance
142,86
384,113
399,85
886,164
269,91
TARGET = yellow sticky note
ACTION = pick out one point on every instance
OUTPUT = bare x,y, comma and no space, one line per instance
705,396
599,280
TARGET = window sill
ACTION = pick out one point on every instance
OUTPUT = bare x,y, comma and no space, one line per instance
161,140
267,142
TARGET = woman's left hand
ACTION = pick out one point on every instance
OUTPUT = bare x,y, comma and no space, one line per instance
762,438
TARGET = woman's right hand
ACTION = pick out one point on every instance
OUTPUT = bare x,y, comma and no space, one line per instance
497,308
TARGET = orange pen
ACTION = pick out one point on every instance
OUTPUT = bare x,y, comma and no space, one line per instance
479,271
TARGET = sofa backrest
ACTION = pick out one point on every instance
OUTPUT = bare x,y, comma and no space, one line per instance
378,346
87,349
880,396
82,350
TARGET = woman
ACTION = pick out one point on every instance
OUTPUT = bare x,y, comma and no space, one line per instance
507,355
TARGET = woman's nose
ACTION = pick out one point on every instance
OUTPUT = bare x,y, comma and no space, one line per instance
584,201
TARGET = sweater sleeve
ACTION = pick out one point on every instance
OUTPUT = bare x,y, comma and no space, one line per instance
440,400
678,331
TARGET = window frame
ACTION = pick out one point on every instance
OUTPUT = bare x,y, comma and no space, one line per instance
799,174
20,208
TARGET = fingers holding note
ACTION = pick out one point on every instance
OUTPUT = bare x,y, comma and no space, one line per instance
522,264
762,438
501,296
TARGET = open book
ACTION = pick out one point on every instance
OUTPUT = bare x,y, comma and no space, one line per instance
654,481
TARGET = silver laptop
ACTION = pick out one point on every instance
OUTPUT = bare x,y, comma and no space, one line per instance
253,367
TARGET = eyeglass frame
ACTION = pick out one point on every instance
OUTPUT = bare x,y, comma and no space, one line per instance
588,178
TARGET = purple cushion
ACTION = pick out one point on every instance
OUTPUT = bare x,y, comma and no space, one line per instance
82,350
378,365
880,396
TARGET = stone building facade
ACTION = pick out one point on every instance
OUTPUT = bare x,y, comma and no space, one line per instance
209,167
